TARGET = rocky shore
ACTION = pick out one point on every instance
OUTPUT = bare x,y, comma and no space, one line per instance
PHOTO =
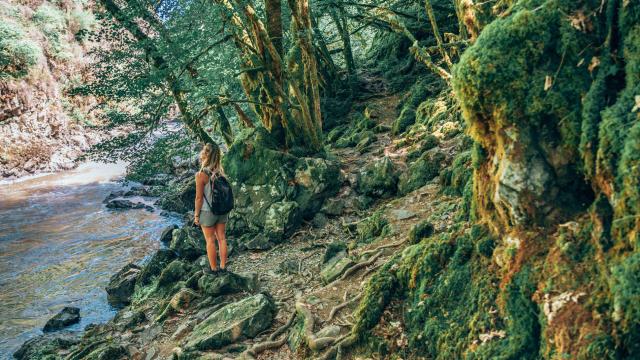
305,236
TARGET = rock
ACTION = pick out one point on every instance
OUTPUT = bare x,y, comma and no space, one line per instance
181,197
113,195
335,267
333,249
281,219
328,331
129,319
227,283
137,191
258,242
155,265
274,190
378,179
45,345
425,169
182,330
111,352
67,316
188,242
179,302
243,319
122,284
122,204
167,234
333,207
420,231
319,221
173,273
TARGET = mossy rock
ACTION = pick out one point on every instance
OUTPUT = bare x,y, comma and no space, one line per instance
372,227
45,346
227,283
174,272
243,319
420,231
188,242
155,265
378,179
335,267
423,170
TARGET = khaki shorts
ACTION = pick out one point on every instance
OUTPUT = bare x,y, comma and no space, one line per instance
207,218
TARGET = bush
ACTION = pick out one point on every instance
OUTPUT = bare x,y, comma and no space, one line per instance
81,23
51,21
18,54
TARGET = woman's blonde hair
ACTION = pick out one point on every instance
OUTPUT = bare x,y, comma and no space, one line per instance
210,157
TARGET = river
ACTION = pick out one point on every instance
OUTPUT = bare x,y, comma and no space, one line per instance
59,246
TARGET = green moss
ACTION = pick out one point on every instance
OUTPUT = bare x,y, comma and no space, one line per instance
372,227
625,289
420,231
18,53
378,179
455,178
425,169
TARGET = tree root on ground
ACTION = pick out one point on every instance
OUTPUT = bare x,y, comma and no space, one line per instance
335,352
271,343
342,305
314,343
372,251
357,267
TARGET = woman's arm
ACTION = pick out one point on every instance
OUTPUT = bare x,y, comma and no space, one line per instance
200,181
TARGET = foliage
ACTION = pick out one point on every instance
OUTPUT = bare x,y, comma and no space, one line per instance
18,53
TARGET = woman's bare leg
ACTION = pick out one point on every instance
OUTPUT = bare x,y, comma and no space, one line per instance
222,244
210,237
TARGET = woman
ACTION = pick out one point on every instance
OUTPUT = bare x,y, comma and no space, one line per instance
213,226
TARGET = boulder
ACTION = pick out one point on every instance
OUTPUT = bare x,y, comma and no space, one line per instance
378,179
113,195
227,283
174,272
122,284
333,207
333,249
423,170
45,345
274,190
181,196
127,319
155,265
281,219
188,242
167,234
67,316
335,267
236,321
123,204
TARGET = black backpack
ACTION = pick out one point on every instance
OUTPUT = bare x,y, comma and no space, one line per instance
222,199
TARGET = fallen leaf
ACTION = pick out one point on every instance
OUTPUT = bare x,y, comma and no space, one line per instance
595,62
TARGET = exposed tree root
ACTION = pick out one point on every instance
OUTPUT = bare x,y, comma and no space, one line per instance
335,352
342,305
357,267
271,343
284,327
253,351
371,269
314,343
372,251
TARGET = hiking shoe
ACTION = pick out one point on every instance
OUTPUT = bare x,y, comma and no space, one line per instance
207,271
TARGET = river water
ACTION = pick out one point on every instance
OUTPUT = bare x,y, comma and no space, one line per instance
59,245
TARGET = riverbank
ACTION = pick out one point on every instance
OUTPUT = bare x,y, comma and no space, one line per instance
59,245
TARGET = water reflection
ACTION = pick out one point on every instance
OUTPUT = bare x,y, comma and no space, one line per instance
59,245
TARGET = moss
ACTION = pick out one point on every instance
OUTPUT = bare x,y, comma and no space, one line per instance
378,179
425,169
455,178
372,227
420,231
625,289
